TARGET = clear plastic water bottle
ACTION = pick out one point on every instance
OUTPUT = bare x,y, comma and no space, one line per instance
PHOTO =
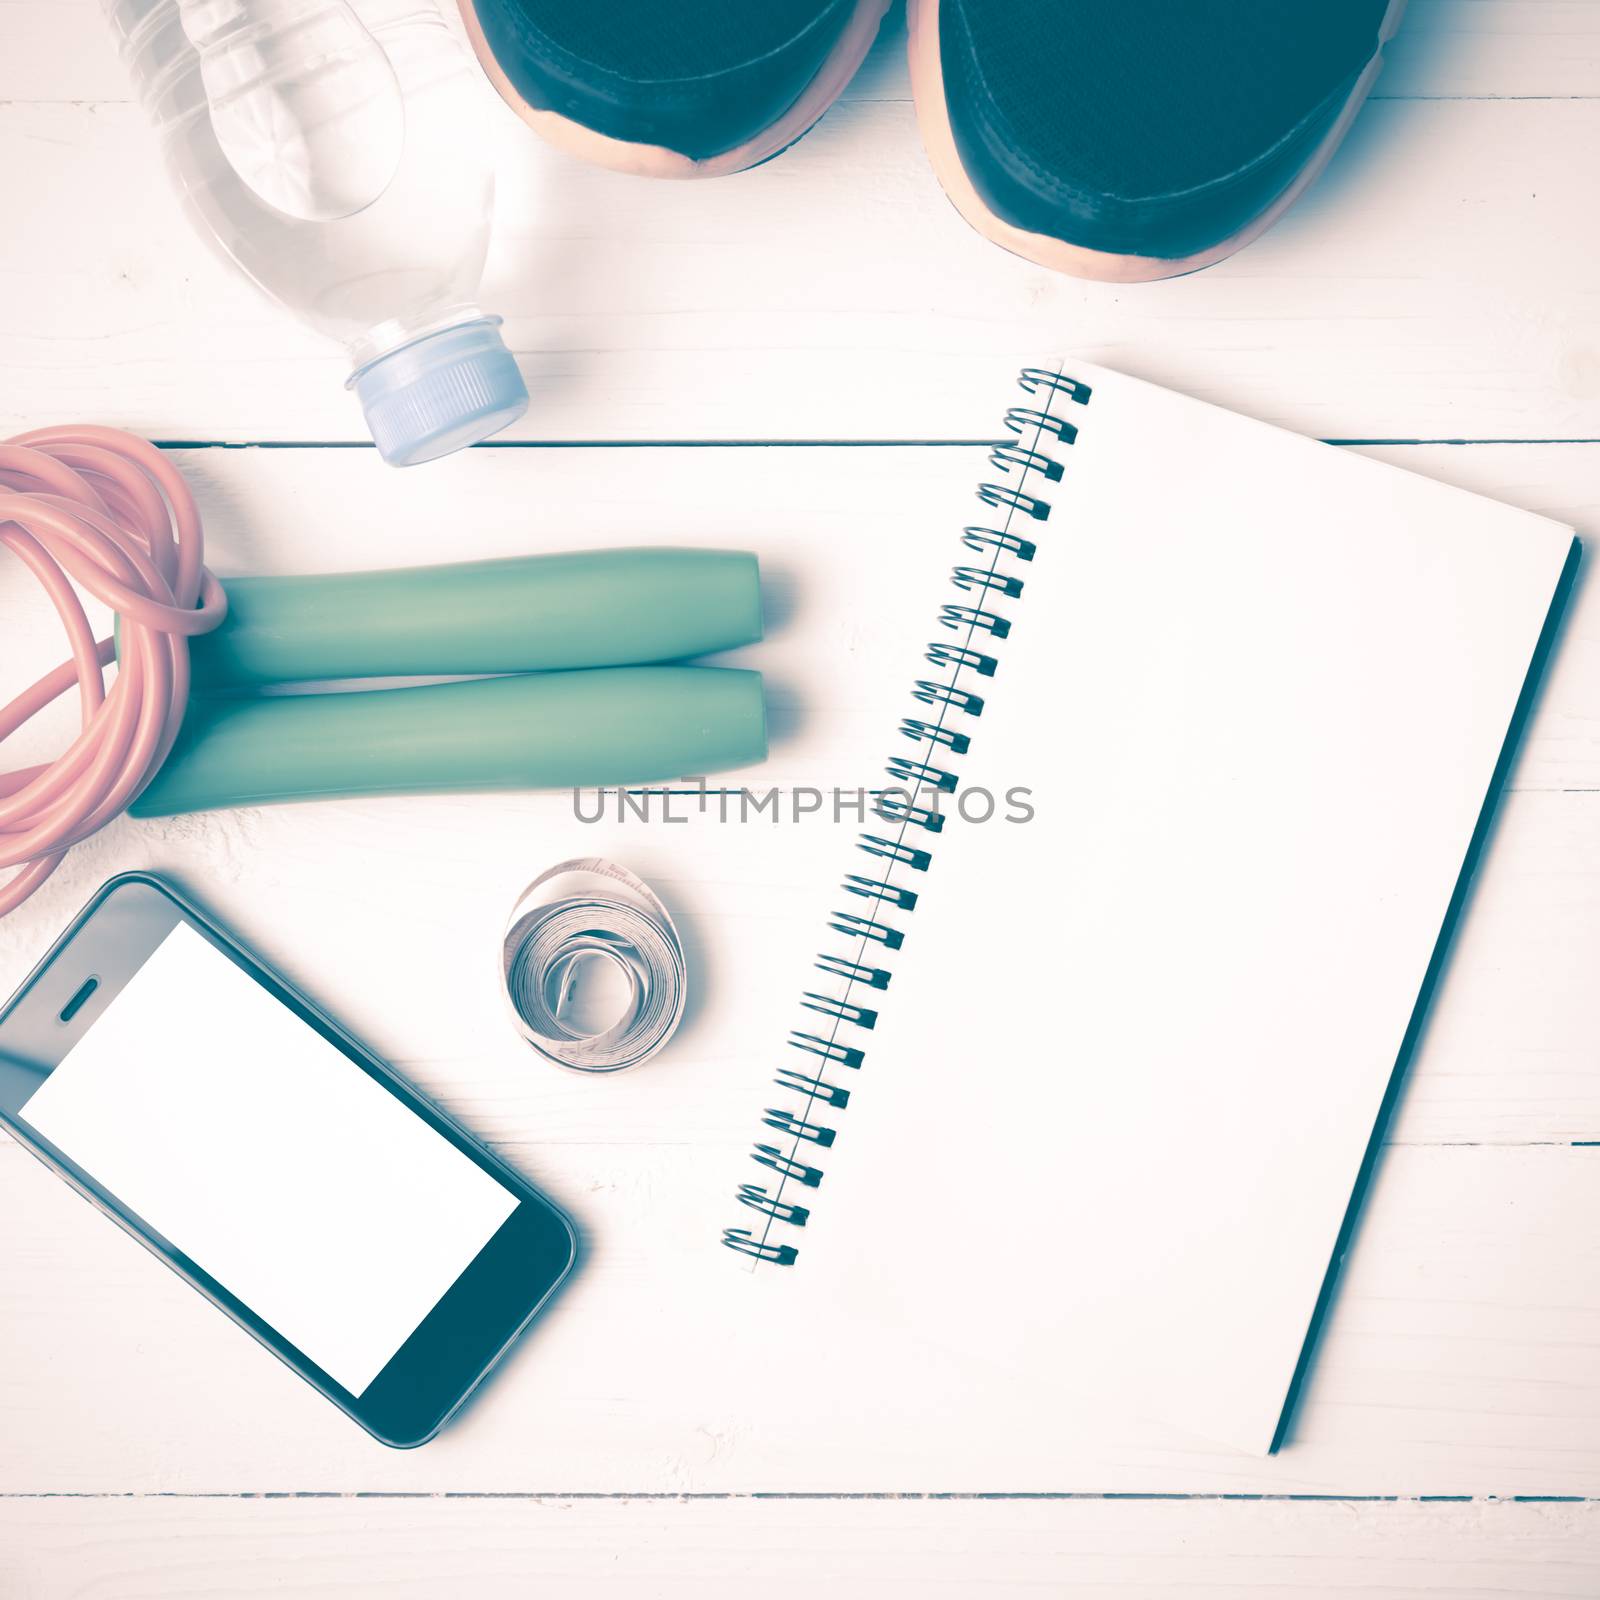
337,155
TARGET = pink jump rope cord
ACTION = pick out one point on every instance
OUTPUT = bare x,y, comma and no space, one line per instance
101,509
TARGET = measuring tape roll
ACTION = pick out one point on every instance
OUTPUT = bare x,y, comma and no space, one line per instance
583,910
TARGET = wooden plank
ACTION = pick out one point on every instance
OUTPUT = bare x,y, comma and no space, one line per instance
1463,1356
1498,48
388,913
1508,1058
789,1550
869,311
61,50
854,544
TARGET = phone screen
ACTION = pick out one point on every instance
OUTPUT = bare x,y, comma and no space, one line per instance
269,1158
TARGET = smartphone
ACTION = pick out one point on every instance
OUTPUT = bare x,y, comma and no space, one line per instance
303,1188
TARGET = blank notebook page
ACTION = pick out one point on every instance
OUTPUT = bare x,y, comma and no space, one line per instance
1133,1051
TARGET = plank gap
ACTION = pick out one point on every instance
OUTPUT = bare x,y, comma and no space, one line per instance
819,1495
782,444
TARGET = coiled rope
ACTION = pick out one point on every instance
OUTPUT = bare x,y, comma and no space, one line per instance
103,510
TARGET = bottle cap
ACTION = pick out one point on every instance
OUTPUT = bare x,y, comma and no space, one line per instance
441,392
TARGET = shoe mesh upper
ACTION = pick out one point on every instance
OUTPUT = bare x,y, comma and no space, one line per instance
660,41
1139,98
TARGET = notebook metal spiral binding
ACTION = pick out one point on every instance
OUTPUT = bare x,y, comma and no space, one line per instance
1031,460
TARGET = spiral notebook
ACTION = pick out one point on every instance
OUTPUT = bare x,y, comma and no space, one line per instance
1125,972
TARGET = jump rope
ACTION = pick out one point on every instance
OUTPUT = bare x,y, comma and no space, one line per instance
101,509
96,509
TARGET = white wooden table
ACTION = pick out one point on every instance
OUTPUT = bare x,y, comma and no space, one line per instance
787,360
